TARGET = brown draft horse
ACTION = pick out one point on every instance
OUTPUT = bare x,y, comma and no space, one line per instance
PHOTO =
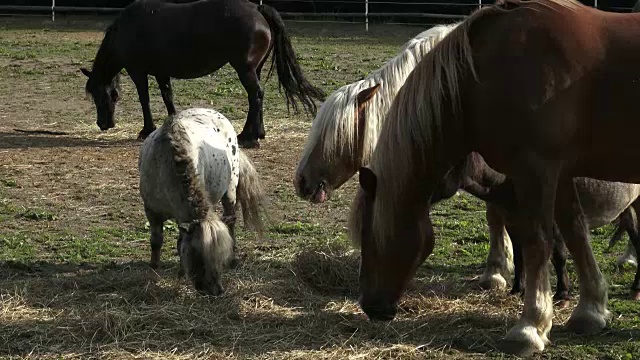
545,91
188,39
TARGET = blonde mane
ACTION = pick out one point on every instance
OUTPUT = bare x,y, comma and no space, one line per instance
408,157
335,123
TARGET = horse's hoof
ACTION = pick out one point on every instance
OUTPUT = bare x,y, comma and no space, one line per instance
562,303
561,296
154,265
522,342
586,320
492,281
623,261
635,295
144,133
249,144
234,263
516,291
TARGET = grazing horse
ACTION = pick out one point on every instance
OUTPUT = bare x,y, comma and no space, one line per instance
186,167
186,40
545,91
344,134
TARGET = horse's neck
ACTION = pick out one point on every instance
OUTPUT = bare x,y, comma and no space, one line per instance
106,64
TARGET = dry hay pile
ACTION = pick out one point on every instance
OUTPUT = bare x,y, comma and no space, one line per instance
331,269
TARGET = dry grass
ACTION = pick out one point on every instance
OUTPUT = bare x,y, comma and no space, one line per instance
74,280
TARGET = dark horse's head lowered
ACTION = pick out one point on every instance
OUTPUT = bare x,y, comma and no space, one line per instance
105,95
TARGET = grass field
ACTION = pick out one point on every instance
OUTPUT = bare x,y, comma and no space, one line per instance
74,280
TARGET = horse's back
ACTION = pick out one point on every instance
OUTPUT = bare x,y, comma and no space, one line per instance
211,144
215,149
603,201
187,40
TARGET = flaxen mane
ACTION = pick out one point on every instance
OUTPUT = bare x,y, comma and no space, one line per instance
412,138
335,123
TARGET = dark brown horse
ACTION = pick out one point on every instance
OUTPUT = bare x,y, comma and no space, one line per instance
545,91
186,40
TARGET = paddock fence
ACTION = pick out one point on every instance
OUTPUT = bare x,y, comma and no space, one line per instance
354,11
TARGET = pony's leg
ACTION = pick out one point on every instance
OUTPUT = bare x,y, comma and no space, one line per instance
155,228
533,229
559,260
253,129
164,83
591,313
229,207
499,260
142,85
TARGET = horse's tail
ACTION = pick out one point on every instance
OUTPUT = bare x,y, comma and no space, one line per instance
250,194
207,244
290,76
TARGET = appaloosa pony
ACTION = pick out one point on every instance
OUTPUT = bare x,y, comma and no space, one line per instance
186,167
545,91
188,40
344,134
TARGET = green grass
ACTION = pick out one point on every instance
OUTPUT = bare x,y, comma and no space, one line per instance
74,279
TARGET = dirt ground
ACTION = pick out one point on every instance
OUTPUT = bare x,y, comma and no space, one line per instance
74,275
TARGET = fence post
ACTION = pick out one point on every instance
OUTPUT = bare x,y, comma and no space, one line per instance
366,15
595,4
260,2
479,4
53,10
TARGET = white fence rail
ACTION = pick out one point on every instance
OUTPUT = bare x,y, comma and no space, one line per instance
365,15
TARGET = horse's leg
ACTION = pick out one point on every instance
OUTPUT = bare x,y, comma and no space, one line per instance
155,228
164,82
633,247
559,260
591,312
142,85
499,260
518,273
261,131
535,187
629,223
250,134
229,207
181,235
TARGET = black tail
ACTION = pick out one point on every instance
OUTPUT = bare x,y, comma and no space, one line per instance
290,76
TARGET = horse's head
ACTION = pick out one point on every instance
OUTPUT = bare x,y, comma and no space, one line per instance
105,96
393,243
332,155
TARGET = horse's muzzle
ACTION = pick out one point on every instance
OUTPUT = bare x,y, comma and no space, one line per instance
378,310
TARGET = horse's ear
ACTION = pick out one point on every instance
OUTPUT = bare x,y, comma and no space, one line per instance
368,181
86,72
366,94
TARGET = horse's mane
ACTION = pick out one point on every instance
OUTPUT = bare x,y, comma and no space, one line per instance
335,123
411,143
186,168
104,57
